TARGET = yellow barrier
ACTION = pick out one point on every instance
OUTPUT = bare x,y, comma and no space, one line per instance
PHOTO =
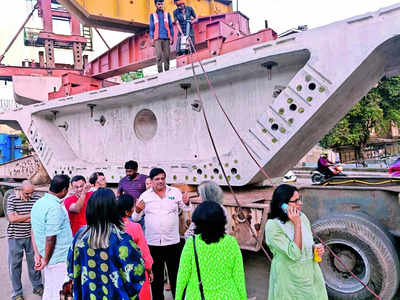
360,182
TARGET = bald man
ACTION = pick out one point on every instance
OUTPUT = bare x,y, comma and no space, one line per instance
19,207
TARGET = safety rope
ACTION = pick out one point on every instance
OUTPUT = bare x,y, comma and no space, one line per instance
347,269
240,212
191,47
261,169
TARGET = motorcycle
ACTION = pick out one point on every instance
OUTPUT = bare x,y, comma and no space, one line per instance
318,177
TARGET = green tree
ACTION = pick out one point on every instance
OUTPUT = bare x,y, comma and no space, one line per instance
377,110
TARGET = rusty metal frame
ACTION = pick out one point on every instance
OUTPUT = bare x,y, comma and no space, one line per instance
218,34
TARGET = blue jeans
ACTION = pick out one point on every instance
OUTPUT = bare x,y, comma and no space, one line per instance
16,249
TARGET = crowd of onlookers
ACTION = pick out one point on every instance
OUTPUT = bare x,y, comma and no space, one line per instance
83,232
93,241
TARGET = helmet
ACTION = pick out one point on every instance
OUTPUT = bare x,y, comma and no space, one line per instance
324,153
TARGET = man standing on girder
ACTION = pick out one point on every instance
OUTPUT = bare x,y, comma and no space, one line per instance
184,17
161,35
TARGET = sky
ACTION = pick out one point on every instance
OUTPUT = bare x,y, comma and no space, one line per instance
286,14
281,15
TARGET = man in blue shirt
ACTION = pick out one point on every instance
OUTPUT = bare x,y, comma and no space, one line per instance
52,236
161,35
184,17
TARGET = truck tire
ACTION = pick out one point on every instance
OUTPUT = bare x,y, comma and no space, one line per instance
7,194
366,248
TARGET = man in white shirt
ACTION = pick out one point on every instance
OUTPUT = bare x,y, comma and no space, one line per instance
160,206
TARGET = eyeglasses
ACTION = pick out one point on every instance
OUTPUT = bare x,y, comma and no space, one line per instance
296,200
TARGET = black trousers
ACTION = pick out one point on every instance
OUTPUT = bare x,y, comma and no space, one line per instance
169,255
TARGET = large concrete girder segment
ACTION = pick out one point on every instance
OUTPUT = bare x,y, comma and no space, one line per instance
282,95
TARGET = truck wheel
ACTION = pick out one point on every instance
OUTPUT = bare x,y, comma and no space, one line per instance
7,194
366,248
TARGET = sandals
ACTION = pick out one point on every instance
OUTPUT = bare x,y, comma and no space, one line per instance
38,292
19,297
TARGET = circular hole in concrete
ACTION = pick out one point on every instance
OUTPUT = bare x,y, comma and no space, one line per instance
145,125
312,86
199,171
274,127
293,107
216,171
234,171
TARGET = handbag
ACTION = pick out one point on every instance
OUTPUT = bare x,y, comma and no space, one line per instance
198,269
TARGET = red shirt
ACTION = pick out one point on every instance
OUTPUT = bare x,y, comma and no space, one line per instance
77,220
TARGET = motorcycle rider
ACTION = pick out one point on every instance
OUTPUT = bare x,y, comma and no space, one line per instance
323,165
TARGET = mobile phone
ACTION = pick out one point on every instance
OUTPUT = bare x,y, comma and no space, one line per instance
284,208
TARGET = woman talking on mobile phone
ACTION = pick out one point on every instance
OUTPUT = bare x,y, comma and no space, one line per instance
294,274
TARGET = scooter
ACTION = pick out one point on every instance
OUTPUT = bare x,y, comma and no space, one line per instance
318,177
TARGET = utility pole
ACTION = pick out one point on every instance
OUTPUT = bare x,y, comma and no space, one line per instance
237,5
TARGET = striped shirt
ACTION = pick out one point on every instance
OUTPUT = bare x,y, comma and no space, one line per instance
20,230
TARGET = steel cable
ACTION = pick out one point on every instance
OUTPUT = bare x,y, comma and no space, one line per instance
191,48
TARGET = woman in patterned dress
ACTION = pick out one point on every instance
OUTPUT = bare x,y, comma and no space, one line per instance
220,259
103,261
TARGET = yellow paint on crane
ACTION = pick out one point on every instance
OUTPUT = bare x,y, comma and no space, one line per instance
132,15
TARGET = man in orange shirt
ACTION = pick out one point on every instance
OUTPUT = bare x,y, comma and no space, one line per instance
76,204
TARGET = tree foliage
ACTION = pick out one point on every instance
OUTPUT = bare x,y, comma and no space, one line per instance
377,110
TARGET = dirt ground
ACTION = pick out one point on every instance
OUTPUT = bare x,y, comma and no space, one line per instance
251,260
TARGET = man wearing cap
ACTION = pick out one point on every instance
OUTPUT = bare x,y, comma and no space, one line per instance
161,35
184,17
160,206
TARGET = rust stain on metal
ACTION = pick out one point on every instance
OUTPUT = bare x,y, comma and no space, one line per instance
28,167
255,207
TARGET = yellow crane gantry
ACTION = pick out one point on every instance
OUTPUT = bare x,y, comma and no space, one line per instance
133,15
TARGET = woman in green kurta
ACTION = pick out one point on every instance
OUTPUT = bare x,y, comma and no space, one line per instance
220,259
294,274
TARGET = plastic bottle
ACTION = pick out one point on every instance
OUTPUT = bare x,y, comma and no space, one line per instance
317,258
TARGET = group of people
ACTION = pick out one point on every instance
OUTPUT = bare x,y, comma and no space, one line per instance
162,31
94,238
